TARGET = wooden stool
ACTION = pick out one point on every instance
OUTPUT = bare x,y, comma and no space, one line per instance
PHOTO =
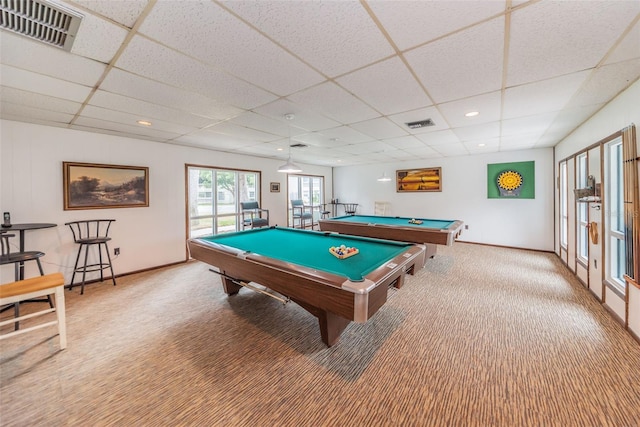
47,285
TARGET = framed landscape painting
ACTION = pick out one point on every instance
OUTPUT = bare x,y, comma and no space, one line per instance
427,179
98,186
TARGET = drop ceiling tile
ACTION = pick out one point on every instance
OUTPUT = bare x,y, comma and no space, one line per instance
421,153
577,35
410,23
488,105
137,87
240,132
482,131
151,60
455,149
98,38
566,120
262,123
123,12
332,101
303,118
48,60
317,31
130,119
482,145
345,134
237,47
147,110
541,97
37,83
475,68
439,138
318,140
521,140
607,82
537,124
11,111
405,142
36,100
387,86
368,147
124,129
629,47
380,128
417,115
213,139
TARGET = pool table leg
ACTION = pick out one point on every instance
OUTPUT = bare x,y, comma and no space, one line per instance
229,287
331,325
430,250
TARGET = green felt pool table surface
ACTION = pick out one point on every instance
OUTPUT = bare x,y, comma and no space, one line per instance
311,249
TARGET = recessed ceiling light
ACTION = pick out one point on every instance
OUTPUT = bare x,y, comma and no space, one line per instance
472,114
481,145
280,149
144,123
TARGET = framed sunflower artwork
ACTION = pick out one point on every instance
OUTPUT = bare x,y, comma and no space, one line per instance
511,180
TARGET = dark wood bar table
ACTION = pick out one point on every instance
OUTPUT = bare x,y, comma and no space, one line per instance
22,228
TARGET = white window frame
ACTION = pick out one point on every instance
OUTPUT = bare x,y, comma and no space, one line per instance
614,235
564,206
582,211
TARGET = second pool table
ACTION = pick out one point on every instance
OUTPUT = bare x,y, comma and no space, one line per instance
297,264
431,232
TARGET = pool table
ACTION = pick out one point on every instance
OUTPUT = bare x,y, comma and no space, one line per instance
297,264
431,232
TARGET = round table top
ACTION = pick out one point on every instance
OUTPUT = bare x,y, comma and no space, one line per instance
29,226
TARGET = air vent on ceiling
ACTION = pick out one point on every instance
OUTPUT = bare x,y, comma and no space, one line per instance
298,145
42,20
420,124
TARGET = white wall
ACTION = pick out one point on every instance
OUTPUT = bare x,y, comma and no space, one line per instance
522,223
31,159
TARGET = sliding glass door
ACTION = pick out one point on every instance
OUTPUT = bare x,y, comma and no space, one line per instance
308,188
214,197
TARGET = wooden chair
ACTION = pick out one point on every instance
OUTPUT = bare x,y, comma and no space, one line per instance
301,213
40,286
350,208
253,216
18,259
88,233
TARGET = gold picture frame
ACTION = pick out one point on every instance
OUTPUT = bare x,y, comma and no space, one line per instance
99,186
419,180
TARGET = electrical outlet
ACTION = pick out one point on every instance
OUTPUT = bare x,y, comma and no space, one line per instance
116,251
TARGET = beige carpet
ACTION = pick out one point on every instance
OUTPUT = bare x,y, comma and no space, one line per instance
483,336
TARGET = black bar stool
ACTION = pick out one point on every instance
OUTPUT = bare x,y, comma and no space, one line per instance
88,233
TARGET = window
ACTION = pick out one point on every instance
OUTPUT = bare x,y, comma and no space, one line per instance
614,215
308,188
582,210
220,215
564,216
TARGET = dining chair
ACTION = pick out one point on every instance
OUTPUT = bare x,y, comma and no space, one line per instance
301,212
253,216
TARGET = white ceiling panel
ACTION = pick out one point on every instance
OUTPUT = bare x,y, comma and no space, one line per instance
221,75
411,23
39,101
332,101
98,39
128,84
123,12
52,62
489,107
335,37
439,138
38,83
577,35
476,66
628,48
540,97
237,46
146,110
389,96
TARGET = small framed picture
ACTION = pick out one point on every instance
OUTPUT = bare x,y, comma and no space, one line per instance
275,187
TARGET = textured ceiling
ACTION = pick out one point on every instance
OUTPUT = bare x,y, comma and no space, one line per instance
222,74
